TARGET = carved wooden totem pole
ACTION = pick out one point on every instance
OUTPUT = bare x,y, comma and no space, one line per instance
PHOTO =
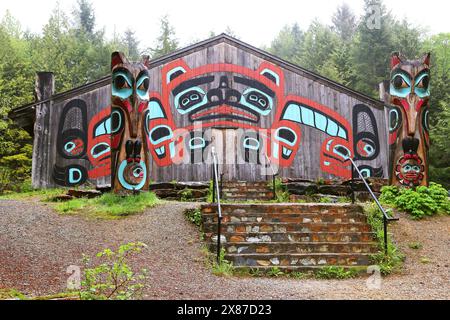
129,104
408,121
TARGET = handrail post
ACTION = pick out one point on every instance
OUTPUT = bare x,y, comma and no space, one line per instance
386,219
217,193
385,222
213,182
352,186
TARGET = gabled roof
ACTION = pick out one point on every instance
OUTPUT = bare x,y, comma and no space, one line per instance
27,110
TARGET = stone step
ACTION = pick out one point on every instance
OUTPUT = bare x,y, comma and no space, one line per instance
289,227
299,259
300,236
287,217
361,269
245,183
244,208
299,247
244,195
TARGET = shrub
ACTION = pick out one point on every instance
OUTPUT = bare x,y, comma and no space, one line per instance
423,201
222,267
194,216
335,272
393,259
113,279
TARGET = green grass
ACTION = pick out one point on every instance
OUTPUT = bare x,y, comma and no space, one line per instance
109,206
334,272
393,261
11,294
415,245
42,194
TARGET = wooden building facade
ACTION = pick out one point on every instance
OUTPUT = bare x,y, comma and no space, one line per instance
258,111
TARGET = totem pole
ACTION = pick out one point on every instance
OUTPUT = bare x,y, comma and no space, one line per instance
129,108
408,121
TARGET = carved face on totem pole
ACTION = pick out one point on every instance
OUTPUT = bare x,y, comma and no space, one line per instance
129,104
408,120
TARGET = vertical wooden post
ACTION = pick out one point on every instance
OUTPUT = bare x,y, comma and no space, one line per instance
44,90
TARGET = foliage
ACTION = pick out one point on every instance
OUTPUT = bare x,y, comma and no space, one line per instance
275,272
222,267
335,272
415,245
281,193
113,279
391,261
109,205
419,202
166,40
26,192
194,216
11,294
186,195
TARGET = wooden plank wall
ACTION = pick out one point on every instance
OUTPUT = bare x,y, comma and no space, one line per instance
306,162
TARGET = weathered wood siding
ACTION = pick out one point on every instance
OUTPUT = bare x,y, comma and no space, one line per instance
305,163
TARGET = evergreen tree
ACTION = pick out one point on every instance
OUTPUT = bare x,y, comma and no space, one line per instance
372,48
344,22
288,43
166,42
85,16
131,44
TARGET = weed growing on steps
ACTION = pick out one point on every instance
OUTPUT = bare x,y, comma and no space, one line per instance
275,272
194,216
394,258
335,272
222,267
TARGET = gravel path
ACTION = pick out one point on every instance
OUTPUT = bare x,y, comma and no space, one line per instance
37,245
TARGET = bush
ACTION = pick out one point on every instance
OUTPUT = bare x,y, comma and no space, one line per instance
391,261
113,279
423,201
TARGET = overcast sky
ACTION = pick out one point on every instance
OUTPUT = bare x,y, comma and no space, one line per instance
256,22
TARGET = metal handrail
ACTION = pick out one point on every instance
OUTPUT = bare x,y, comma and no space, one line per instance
273,177
217,191
386,217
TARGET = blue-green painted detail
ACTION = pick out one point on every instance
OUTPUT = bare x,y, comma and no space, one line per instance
292,113
171,72
342,133
143,94
103,128
337,152
163,138
321,121
248,143
247,96
72,179
197,143
403,92
69,146
332,128
421,92
172,149
125,184
365,173
276,147
393,114
123,93
155,111
95,156
119,124
284,140
273,74
306,116
179,104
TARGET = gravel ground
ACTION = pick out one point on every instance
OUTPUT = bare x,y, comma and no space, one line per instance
37,245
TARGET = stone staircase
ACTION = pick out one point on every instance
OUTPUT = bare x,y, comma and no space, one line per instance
291,236
246,191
